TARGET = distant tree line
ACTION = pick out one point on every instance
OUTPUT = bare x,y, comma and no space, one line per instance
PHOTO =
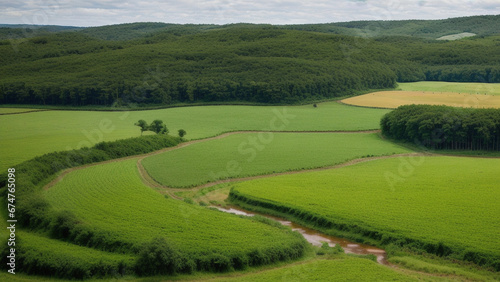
443,127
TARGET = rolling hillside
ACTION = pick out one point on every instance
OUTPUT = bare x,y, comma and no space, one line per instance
164,64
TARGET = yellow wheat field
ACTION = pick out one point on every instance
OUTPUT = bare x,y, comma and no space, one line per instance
394,99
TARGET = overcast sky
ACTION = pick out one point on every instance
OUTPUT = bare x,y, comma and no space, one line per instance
106,12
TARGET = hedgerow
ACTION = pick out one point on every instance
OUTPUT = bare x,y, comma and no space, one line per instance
39,255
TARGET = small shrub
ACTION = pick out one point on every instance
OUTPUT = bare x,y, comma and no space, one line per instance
189,201
62,224
159,258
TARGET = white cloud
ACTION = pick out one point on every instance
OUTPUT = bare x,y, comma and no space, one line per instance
102,12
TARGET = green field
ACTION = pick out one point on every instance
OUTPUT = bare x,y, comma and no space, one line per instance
138,214
448,200
237,156
23,137
458,87
348,269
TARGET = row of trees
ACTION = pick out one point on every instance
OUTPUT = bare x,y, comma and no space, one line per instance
200,89
443,127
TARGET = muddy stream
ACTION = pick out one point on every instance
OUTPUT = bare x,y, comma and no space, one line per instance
317,238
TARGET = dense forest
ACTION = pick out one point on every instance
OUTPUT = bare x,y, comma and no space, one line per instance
442,127
163,64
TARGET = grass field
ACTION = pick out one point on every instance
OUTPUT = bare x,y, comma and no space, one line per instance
394,99
25,136
237,156
112,198
347,269
435,199
457,87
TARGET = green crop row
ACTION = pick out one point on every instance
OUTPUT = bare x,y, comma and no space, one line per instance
250,154
410,202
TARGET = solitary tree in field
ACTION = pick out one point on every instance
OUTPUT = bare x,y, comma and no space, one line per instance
143,125
158,127
182,132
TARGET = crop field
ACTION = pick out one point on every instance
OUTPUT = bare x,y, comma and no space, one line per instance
237,156
45,132
394,99
448,200
347,269
138,213
456,87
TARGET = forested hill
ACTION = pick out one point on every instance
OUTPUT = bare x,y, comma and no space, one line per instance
154,63
430,29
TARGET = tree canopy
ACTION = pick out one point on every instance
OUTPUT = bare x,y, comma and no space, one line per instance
443,127
156,126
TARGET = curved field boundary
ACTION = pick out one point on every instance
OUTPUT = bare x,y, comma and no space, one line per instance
341,102
148,180
182,145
